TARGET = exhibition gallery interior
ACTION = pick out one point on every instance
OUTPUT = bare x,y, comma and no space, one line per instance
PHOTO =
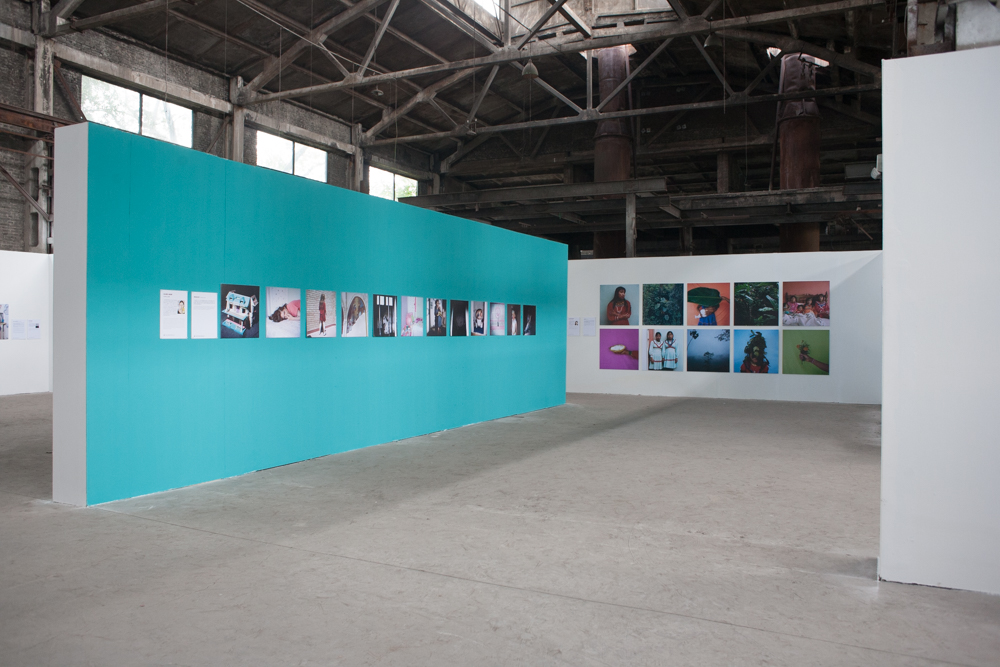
577,332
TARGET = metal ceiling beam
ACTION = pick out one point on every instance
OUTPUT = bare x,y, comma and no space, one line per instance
534,192
592,116
378,37
315,37
789,45
482,94
540,23
621,86
425,95
575,20
117,16
615,37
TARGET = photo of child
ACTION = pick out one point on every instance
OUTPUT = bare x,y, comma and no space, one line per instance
478,318
354,315
498,319
708,350
284,307
807,304
806,352
437,317
664,349
751,350
412,309
708,304
617,307
321,321
384,312
513,319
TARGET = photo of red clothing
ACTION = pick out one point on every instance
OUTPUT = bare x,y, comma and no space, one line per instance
619,312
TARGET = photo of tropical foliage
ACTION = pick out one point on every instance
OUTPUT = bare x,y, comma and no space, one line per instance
663,304
756,304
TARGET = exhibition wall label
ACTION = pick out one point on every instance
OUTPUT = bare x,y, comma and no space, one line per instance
206,285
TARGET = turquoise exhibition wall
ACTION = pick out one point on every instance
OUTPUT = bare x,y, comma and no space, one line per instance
168,413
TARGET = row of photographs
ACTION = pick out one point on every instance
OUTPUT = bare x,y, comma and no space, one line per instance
802,352
801,304
361,315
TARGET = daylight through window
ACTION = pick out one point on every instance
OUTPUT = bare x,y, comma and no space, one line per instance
125,109
290,157
387,185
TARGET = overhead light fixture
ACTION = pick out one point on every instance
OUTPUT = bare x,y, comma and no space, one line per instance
529,71
712,40
377,92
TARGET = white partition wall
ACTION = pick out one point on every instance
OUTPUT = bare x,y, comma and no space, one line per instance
26,290
940,439
855,328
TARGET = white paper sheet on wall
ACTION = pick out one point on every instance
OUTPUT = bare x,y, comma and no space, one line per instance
590,326
34,330
573,326
173,313
17,329
204,315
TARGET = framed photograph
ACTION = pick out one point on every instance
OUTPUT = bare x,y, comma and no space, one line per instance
755,351
284,312
663,304
240,311
664,349
513,319
437,317
617,308
619,349
384,310
756,304
528,315
459,318
480,316
498,319
411,316
806,304
321,317
708,350
806,352
354,314
708,304
4,321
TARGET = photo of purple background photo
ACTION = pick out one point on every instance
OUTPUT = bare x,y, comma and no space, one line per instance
624,362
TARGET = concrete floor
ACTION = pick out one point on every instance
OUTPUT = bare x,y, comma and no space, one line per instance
610,531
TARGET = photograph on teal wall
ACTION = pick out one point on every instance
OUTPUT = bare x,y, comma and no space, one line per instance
528,315
354,314
284,306
384,312
240,311
437,317
459,317
478,310
411,316
164,216
498,319
513,319
321,320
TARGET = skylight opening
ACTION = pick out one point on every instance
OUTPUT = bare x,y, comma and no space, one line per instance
490,6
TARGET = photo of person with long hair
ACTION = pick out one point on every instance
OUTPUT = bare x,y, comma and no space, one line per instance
751,348
616,305
478,318
320,319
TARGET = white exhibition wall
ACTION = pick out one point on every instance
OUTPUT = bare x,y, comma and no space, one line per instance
26,287
855,331
940,442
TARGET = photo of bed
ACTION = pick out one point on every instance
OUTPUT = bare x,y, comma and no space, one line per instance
806,303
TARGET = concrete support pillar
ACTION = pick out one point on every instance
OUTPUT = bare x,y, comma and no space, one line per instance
799,144
630,231
723,171
239,136
687,240
38,170
359,180
612,143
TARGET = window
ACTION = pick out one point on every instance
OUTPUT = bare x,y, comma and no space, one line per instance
125,109
290,157
387,185
491,6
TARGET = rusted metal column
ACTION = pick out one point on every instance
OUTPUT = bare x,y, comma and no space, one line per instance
799,142
613,142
